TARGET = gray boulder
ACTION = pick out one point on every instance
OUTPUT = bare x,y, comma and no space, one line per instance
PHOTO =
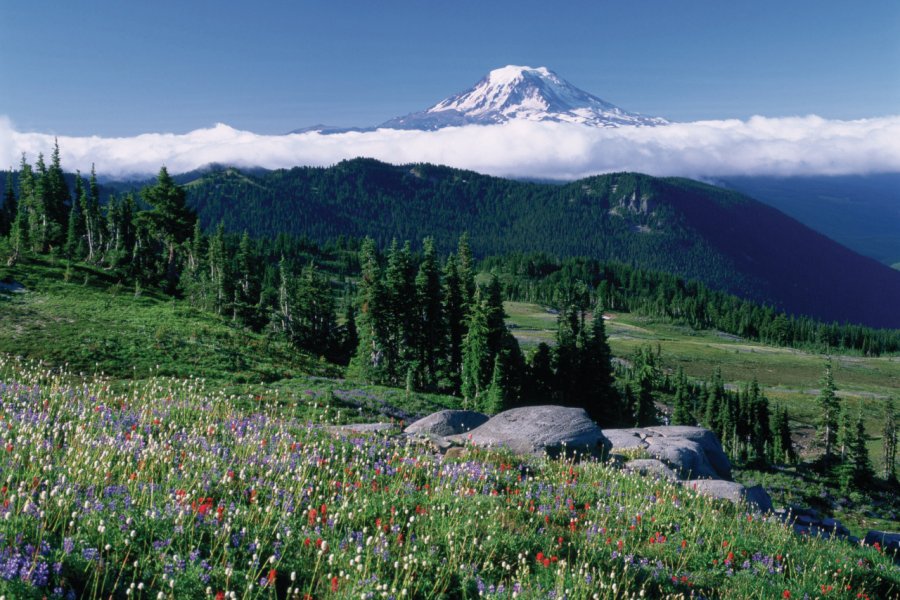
447,422
686,457
650,466
625,439
756,496
706,439
539,429
692,452
889,542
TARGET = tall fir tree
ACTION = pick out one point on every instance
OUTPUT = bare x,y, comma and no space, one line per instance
57,201
889,441
400,314
477,364
431,334
93,223
782,445
218,270
598,392
541,387
466,269
455,314
858,468
75,226
368,363
681,411
172,222
829,412
8,210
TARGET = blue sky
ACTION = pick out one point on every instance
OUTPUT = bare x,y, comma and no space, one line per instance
114,68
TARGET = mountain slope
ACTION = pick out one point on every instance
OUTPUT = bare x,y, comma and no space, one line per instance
859,211
720,237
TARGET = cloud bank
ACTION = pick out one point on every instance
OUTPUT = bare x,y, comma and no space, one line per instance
759,146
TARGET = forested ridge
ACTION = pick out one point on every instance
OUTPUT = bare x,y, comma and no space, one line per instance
696,231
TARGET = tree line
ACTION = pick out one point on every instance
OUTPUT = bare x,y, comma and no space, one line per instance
545,280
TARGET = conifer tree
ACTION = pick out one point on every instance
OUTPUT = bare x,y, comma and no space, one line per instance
368,363
858,469
431,336
598,393
218,270
681,413
8,210
315,326
466,269
31,196
350,339
504,388
454,310
782,445
716,405
400,313
245,282
75,226
57,196
644,408
889,440
172,222
477,362
829,411
541,386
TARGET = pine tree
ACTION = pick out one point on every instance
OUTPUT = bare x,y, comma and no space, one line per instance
368,363
782,445
503,390
315,326
246,292
845,433
8,210
171,219
716,405
75,226
540,387
889,440
57,196
454,311
829,411
477,363
759,429
681,413
350,339
400,313
431,334
599,395
644,408
218,270
858,467
466,266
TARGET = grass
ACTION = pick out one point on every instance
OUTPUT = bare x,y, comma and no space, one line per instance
165,491
787,376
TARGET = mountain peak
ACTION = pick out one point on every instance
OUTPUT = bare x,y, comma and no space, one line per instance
522,93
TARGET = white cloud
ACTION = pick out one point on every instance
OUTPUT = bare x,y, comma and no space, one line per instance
771,146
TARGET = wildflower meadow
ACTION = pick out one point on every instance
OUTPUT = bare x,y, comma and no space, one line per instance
157,489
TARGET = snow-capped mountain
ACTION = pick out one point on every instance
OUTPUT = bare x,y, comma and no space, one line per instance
521,93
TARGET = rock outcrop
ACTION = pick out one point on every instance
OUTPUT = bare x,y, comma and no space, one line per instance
535,430
447,422
692,452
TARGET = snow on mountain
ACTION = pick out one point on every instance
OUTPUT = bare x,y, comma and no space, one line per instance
521,93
